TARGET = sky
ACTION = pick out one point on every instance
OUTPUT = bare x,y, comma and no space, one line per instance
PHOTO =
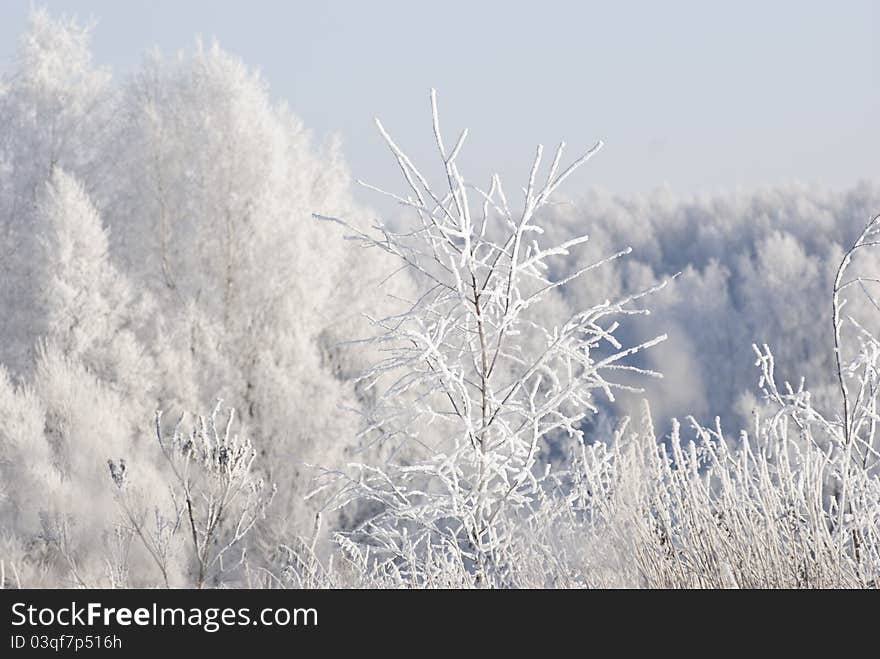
698,97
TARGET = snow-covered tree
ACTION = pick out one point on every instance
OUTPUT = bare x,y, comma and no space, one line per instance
88,308
479,357
211,213
56,108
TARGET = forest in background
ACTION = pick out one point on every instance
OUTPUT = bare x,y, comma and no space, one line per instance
160,252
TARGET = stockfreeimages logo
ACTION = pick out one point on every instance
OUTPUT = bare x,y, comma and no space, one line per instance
210,619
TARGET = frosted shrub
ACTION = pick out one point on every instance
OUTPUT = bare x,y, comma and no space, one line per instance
703,513
215,499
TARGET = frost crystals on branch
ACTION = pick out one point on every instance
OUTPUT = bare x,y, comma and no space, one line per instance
477,374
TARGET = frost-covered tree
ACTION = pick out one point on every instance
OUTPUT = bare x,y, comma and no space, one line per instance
211,214
479,374
56,109
213,282
88,308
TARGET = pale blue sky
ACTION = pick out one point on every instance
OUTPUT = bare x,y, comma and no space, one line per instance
700,96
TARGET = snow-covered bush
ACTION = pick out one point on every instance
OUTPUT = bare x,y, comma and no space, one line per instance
214,500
